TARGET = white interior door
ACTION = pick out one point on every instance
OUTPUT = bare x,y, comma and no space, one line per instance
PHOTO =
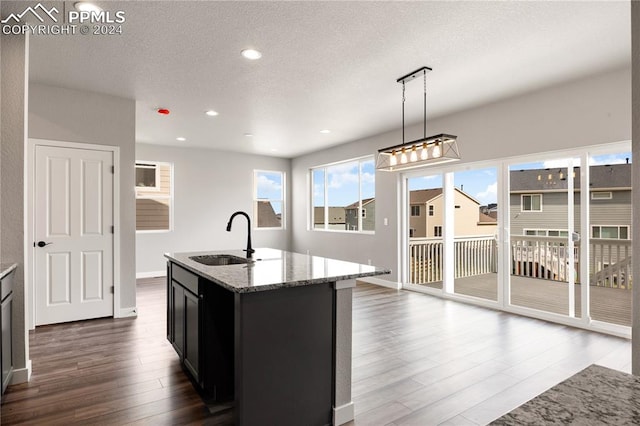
73,234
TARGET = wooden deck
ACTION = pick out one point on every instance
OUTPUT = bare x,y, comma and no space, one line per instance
607,304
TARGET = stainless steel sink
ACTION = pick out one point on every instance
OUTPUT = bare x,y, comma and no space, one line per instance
219,259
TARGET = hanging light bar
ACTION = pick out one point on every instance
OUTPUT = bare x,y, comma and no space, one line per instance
438,149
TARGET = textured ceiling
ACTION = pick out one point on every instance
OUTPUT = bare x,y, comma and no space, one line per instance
326,65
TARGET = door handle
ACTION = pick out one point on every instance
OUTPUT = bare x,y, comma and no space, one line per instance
42,244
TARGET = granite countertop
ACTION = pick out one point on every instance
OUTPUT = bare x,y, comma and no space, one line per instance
6,268
594,396
272,269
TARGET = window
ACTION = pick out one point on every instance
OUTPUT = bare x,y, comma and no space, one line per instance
610,232
148,176
532,203
412,232
431,210
268,199
606,195
437,231
415,210
343,196
154,195
546,232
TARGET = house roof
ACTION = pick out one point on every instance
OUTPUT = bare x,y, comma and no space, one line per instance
267,217
421,196
355,205
615,176
485,219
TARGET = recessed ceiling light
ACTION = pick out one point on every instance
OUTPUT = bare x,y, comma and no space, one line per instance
85,6
325,131
249,135
211,113
251,54
181,139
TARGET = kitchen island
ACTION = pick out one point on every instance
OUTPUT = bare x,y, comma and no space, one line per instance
270,338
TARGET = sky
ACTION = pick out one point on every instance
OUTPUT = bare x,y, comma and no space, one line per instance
269,187
342,182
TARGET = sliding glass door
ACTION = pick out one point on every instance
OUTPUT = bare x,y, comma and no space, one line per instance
544,230
425,208
549,239
475,217
610,280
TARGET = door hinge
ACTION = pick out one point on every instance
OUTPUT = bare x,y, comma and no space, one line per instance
113,169
112,290
113,229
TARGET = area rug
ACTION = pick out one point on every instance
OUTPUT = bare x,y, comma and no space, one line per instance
594,396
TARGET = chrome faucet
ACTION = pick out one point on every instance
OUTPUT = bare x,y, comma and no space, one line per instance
249,250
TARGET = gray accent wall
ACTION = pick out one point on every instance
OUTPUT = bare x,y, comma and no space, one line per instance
13,124
635,64
589,111
208,187
69,115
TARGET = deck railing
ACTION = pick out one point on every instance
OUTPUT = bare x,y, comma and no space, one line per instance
531,256
610,263
542,257
474,255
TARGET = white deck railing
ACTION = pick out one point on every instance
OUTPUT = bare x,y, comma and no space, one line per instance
531,256
610,263
475,255
542,257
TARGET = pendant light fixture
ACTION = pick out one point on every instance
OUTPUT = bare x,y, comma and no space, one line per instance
436,149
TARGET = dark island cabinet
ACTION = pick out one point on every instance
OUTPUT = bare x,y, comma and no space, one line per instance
199,326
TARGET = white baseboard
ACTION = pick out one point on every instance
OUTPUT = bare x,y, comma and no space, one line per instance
21,375
343,414
152,274
382,283
127,312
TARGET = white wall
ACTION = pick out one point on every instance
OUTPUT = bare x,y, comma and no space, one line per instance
208,187
79,116
589,111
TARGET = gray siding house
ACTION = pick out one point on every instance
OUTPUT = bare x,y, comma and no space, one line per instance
538,201
368,215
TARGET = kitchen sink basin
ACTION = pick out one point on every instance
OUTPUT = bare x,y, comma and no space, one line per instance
219,259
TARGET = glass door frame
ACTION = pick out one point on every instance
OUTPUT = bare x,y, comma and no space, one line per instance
504,236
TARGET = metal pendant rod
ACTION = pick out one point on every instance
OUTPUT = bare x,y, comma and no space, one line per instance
403,99
424,117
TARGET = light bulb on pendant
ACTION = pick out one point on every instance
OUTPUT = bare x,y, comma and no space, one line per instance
414,155
403,157
436,150
394,159
424,154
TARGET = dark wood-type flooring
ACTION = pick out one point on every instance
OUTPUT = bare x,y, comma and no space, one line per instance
417,360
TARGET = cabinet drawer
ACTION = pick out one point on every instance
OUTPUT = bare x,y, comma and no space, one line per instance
187,279
6,287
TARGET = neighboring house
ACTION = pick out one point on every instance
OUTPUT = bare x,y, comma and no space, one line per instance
426,215
368,215
267,217
538,201
336,218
